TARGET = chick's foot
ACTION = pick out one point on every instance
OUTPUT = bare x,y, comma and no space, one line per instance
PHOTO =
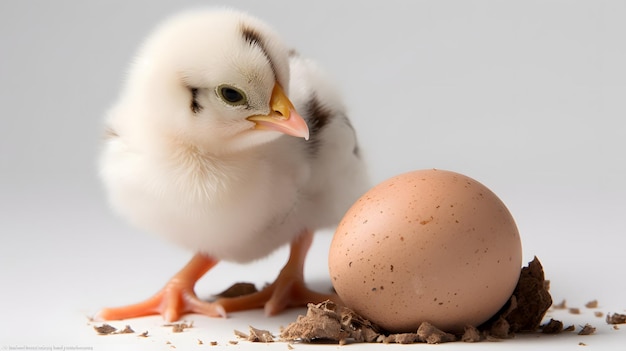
288,290
175,299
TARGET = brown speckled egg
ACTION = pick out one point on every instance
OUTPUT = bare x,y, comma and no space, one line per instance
427,245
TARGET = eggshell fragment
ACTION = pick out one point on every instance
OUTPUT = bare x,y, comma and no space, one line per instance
426,246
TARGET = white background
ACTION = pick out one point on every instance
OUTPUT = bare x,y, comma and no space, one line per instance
528,97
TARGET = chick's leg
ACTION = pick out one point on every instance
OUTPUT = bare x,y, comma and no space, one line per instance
288,290
175,299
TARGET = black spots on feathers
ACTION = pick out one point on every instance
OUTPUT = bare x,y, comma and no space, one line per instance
254,38
356,151
318,117
195,105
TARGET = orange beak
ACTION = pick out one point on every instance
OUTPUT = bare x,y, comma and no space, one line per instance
283,116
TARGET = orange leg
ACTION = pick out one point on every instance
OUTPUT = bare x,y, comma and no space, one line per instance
175,299
288,290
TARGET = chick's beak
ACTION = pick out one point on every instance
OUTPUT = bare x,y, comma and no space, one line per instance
283,116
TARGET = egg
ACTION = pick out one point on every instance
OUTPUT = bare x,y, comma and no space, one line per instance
426,246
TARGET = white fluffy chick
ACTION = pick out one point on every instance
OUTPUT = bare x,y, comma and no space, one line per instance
206,149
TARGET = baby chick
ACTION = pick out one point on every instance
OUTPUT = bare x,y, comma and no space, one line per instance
229,144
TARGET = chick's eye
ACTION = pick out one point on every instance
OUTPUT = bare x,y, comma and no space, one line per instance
232,95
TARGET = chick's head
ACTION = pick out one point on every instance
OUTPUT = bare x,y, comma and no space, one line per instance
216,80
